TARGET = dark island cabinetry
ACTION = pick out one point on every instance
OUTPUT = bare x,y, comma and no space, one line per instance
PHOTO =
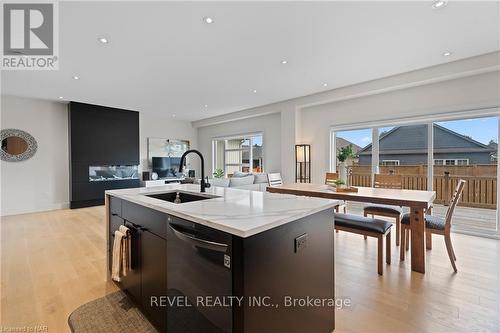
147,281
182,268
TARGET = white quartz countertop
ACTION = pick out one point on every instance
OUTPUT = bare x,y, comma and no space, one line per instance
239,212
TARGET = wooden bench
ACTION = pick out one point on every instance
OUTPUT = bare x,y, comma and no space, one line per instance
368,227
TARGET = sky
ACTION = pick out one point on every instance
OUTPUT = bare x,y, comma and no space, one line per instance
257,140
480,129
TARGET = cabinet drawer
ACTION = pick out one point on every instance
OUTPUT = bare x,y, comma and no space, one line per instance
115,206
114,223
150,219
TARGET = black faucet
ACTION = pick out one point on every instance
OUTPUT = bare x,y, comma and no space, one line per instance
203,184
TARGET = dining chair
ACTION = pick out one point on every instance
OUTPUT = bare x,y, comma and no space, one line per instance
435,225
396,212
330,179
274,179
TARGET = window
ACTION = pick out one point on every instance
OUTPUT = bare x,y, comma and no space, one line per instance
435,155
240,153
359,165
459,161
389,163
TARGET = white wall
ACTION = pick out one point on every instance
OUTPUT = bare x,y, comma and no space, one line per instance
42,182
459,85
167,128
269,125
448,96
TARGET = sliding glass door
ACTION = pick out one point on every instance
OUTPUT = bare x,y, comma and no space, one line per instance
434,156
403,150
467,149
359,167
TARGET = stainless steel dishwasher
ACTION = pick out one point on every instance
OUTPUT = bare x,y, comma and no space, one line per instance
199,271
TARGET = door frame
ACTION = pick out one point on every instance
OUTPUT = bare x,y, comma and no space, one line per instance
429,120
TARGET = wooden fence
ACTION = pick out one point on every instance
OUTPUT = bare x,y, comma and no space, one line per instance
480,189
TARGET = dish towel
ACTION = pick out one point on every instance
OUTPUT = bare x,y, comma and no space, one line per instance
126,249
121,253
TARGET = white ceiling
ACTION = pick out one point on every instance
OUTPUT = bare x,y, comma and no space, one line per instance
163,59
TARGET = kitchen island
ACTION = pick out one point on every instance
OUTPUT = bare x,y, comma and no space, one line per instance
227,260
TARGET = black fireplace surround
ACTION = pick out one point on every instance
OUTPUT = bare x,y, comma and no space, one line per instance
104,152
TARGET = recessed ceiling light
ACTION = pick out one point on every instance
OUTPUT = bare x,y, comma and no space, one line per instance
208,20
254,91
103,40
439,4
76,77
60,97
325,84
284,62
447,54
206,106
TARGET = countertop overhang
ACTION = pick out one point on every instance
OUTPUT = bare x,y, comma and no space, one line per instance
239,212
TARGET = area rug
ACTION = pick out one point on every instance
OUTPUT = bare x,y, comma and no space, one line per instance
111,313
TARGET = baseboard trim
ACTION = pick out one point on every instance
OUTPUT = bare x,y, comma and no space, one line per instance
86,203
9,212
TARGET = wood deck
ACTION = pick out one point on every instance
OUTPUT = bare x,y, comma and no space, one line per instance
481,219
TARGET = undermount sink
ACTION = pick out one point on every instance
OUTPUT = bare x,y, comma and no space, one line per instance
183,196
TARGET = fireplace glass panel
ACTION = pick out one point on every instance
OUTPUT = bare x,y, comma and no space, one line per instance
113,172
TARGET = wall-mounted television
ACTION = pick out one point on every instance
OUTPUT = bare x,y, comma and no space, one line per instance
166,167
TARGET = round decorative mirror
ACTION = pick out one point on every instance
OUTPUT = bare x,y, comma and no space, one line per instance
17,145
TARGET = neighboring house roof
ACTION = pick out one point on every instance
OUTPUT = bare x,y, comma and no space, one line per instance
341,143
413,140
494,146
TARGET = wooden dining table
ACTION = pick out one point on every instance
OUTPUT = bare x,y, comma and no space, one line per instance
417,201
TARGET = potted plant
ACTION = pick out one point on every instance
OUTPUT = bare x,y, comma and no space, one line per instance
343,155
218,173
339,183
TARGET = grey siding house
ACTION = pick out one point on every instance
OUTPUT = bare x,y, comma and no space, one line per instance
407,145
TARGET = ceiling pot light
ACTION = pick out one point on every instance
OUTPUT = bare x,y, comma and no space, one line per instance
254,91
447,54
206,105
284,62
103,40
325,84
60,97
208,20
439,4
76,77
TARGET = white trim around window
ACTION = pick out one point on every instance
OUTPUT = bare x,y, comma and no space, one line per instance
389,163
447,161
224,140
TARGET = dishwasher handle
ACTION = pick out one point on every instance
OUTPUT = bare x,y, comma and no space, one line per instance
214,246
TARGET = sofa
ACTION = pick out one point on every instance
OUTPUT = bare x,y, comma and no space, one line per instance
242,180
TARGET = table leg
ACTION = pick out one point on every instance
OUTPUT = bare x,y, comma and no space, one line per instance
417,225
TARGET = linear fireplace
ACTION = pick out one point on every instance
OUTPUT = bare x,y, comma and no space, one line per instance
113,172
104,152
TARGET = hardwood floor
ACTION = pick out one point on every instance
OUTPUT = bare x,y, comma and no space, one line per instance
52,262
